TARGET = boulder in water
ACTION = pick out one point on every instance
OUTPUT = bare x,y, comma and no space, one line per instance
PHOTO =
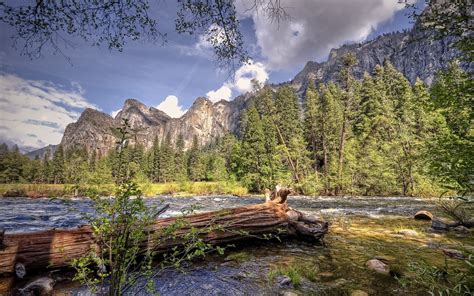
423,215
378,266
438,224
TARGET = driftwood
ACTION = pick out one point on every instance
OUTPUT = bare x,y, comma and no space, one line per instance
52,249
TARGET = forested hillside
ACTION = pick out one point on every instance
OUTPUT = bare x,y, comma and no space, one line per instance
378,135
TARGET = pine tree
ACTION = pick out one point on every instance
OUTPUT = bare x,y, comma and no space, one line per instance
373,127
196,162
349,104
258,173
180,159
155,161
167,165
329,120
57,165
453,156
46,168
312,122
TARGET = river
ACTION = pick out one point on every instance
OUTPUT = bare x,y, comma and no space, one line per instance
361,228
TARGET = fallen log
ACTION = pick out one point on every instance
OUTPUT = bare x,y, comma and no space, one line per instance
22,253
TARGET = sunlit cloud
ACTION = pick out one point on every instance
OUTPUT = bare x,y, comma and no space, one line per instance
34,113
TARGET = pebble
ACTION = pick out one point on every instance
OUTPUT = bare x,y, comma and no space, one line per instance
378,266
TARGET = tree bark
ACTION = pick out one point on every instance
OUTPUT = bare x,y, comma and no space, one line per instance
56,248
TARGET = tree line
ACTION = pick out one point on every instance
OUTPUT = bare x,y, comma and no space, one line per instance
376,135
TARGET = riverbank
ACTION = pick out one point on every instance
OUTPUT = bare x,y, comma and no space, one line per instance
148,189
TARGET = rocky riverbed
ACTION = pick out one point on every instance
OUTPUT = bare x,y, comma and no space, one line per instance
374,247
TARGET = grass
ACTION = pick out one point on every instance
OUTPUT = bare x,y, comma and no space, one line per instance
295,271
239,257
148,189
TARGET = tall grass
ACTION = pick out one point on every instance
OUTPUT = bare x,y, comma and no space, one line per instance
149,189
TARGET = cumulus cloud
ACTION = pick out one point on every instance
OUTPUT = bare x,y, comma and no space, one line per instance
171,107
35,113
315,26
242,82
223,93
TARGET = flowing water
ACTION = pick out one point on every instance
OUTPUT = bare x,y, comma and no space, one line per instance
362,228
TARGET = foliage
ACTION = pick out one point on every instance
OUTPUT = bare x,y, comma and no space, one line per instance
445,280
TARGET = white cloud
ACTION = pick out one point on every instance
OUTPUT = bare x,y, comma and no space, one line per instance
242,81
223,93
170,106
245,74
315,26
115,112
35,113
203,47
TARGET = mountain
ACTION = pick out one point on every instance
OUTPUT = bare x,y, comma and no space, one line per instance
42,152
208,121
412,52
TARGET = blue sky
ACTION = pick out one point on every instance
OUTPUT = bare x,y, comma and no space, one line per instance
40,97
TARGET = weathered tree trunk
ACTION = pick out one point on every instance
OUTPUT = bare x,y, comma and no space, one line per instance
21,253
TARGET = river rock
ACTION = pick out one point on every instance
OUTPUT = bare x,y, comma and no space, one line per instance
461,229
438,224
378,266
423,215
38,286
408,232
359,293
284,282
453,253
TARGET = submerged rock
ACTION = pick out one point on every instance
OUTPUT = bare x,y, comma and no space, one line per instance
408,232
438,224
423,215
453,253
378,266
461,229
284,282
359,293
